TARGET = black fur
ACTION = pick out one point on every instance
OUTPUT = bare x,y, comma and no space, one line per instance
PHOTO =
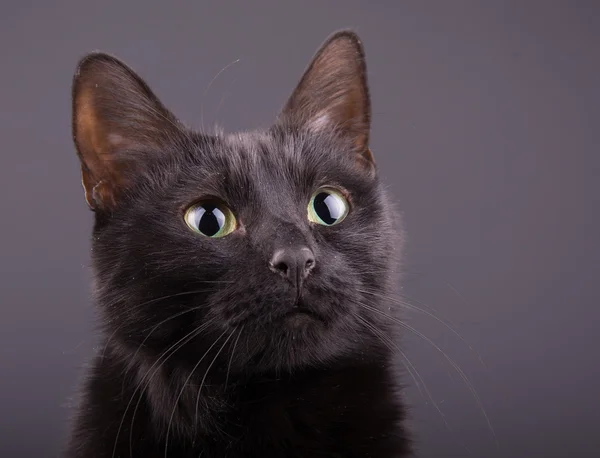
204,354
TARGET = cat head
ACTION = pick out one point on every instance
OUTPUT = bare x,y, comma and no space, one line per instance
266,244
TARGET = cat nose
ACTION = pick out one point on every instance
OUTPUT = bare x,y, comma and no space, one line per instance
294,264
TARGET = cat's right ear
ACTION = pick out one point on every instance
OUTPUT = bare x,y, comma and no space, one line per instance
118,123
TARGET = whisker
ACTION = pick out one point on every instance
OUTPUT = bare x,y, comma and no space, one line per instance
181,293
172,317
219,106
411,306
183,389
191,335
454,290
146,382
231,357
448,324
459,371
209,86
393,347
151,301
158,362
206,374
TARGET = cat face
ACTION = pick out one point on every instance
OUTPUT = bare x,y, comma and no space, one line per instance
264,244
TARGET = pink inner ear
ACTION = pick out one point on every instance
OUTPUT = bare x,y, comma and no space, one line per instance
115,140
320,122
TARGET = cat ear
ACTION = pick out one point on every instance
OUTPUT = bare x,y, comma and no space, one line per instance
117,123
333,94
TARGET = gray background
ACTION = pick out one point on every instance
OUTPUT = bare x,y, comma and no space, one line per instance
486,128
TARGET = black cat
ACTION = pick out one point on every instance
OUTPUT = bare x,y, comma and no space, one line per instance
241,278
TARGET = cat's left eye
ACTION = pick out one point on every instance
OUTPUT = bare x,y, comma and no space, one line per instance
327,207
211,219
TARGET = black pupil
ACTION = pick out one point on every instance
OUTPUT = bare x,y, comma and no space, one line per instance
328,207
210,220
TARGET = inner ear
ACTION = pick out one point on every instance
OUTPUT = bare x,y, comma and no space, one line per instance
333,93
118,124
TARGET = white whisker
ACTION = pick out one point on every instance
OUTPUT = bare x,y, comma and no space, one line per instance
208,88
448,359
205,375
183,389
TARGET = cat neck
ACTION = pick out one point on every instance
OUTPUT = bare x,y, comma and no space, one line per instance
196,402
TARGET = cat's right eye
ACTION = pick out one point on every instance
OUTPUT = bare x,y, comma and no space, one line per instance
211,219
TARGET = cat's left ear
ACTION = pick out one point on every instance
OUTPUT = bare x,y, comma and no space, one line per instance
333,95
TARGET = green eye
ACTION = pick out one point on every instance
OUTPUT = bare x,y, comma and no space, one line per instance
327,207
210,219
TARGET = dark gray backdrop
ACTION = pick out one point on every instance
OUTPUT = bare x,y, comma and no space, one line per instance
486,127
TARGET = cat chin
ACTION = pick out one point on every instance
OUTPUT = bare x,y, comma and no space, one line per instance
299,342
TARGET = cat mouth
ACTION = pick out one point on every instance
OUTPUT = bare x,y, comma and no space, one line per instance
299,316
300,312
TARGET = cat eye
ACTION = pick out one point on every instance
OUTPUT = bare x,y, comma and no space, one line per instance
327,207
211,219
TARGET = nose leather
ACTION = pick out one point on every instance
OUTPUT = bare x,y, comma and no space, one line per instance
293,263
